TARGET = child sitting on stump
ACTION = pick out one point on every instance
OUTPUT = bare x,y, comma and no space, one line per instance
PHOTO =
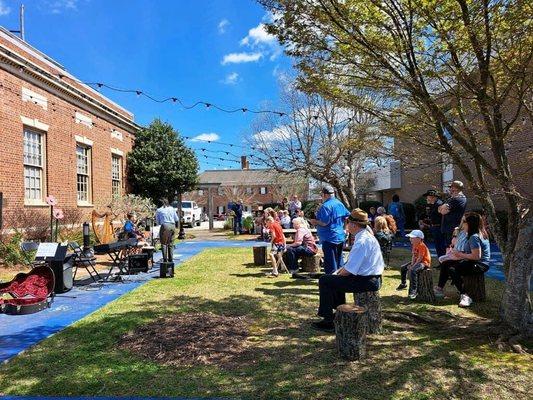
421,259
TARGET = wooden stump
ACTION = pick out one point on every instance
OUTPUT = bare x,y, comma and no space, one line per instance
311,263
260,255
474,286
425,286
372,302
351,326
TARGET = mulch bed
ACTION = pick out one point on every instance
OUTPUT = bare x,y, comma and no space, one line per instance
189,339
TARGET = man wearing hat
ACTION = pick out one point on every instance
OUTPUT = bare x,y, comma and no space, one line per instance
329,223
361,273
433,222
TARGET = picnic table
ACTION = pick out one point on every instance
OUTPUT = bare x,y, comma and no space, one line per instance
289,233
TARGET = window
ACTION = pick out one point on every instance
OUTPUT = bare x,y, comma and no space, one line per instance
200,192
33,166
116,175
221,209
220,191
249,190
263,190
83,168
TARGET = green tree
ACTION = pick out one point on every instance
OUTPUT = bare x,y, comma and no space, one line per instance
450,76
160,164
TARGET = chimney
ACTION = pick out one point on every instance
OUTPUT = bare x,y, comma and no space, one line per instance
245,164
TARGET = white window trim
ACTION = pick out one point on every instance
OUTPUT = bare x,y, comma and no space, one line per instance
117,152
84,141
90,175
41,202
34,123
29,95
83,120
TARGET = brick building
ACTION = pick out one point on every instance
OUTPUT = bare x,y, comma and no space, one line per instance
256,187
57,136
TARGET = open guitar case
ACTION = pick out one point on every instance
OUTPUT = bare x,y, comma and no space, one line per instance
30,292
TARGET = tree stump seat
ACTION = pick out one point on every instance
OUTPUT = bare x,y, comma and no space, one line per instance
474,286
425,286
260,255
311,263
372,302
351,327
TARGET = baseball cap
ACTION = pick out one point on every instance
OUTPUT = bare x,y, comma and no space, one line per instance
416,234
328,189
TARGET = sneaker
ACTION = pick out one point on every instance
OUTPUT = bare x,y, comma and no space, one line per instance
324,325
466,301
401,286
439,293
412,296
271,275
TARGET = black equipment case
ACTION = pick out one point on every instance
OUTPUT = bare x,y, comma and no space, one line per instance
29,292
166,269
138,263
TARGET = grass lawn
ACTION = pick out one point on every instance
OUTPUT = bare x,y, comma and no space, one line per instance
283,357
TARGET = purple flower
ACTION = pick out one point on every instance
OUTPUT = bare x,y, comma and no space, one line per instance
51,200
58,213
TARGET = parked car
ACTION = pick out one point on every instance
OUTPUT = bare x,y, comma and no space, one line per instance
191,214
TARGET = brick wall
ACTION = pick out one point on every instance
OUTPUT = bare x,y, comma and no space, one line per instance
60,141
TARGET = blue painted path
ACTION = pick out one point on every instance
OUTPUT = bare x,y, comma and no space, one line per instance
18,333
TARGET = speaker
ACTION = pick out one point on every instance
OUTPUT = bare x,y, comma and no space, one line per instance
63,274
138,263
166,269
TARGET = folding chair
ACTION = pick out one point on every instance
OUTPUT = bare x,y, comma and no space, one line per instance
28,248
81,260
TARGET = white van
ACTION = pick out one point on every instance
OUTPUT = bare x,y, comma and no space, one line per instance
191,213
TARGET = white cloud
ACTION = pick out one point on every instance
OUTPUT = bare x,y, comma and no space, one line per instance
264,139
206,137
4,9
58,6
258,35
236,58
260,40
231,79
222,25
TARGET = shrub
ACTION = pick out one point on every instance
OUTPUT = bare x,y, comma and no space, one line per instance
248,224
309,208
228,224
365,205
410,216
10,252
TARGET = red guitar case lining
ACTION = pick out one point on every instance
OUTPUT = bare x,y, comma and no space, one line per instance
31,292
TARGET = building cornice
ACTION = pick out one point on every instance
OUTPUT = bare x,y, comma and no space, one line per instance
30,72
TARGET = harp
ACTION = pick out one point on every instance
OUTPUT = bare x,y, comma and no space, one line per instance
103,227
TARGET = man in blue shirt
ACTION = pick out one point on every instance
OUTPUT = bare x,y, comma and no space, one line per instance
168,219
329,223
237,208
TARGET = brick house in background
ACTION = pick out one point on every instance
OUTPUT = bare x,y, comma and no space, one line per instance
57,136
256,187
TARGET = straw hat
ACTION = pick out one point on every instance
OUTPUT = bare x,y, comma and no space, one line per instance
359,216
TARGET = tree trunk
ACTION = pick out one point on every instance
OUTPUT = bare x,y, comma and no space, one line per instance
260,255
474,286
351,326
372,301
311,263
516,308
425,286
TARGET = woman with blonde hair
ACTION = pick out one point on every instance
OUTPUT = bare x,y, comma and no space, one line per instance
381,231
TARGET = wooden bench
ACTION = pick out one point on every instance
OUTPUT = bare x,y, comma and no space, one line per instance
289,233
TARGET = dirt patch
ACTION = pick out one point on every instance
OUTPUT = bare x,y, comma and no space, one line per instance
189,339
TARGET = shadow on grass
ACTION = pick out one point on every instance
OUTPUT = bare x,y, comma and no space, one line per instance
85,360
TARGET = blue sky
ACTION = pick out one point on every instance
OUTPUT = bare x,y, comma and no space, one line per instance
211,50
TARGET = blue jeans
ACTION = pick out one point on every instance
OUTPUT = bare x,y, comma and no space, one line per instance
332,256
333,289
237,224
438,238
293,253
400,223
413,276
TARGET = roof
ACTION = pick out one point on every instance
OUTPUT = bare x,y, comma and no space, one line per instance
242,177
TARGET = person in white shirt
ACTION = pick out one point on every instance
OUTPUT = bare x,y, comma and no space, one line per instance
294,205
361,273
